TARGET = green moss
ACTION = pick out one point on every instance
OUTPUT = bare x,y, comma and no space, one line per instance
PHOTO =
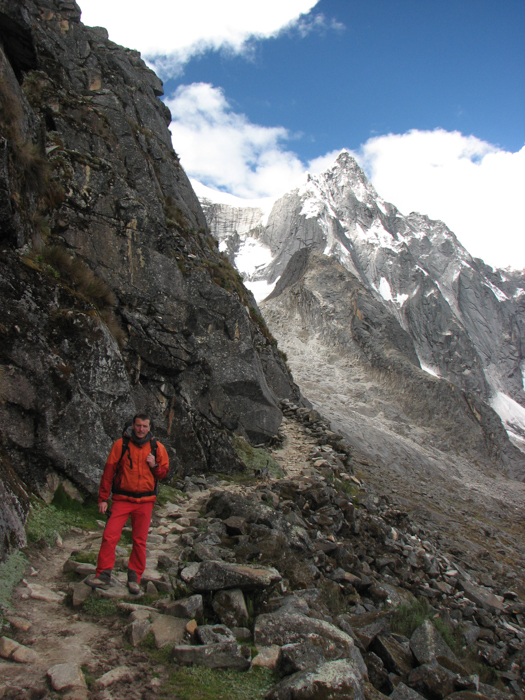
169,494
11,572
200,683
255,458
85,557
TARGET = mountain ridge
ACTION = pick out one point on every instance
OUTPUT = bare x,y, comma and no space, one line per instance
466,320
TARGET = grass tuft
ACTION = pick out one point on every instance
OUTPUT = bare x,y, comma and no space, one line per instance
100,607
44,521
408,618
174,215
200,683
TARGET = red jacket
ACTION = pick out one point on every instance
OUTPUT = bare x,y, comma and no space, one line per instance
133,473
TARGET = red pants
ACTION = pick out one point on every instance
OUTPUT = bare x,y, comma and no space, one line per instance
140,520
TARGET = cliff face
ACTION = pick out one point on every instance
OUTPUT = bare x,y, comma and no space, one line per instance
115,296
359,367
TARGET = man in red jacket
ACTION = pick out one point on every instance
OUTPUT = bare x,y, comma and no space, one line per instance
135,464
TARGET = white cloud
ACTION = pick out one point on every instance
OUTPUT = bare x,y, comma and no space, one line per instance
473,186
169,32
223,149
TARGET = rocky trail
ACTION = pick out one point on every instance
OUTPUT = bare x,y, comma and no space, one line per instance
299,576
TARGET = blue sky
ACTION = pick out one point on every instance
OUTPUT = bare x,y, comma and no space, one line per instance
428,95
396,65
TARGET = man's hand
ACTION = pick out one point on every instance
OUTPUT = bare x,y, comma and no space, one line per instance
102,507
150,459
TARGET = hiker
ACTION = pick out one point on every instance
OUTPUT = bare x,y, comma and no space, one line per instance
135,465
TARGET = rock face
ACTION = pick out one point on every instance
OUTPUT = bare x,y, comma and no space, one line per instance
391,296
465,320
116,298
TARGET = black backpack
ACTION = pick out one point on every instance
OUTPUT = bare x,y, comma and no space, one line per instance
125,448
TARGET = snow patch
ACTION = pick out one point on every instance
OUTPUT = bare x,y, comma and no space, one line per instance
401,298
500,296
519,293
384,289
512,414
223,246
429,370
312,207
251,256
260,289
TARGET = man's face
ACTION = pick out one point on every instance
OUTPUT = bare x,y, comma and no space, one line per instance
141,428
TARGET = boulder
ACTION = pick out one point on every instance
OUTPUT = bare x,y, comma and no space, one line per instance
481,597
65,677
81,593
230,607
403,692
427,644
116,675
267,657
9,649
39,592
377,672
301,656
393,654
190,608
138,631
433,680
332,679
216,575
214,634
224,655
290,628
167,629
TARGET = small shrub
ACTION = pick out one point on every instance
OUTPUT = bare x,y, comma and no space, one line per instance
408,618
34,167
174,215
114,327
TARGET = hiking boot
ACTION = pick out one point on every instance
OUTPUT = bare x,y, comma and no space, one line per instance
133,586
103,580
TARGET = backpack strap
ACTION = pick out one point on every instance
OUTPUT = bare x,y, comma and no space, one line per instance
125,447
153,445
